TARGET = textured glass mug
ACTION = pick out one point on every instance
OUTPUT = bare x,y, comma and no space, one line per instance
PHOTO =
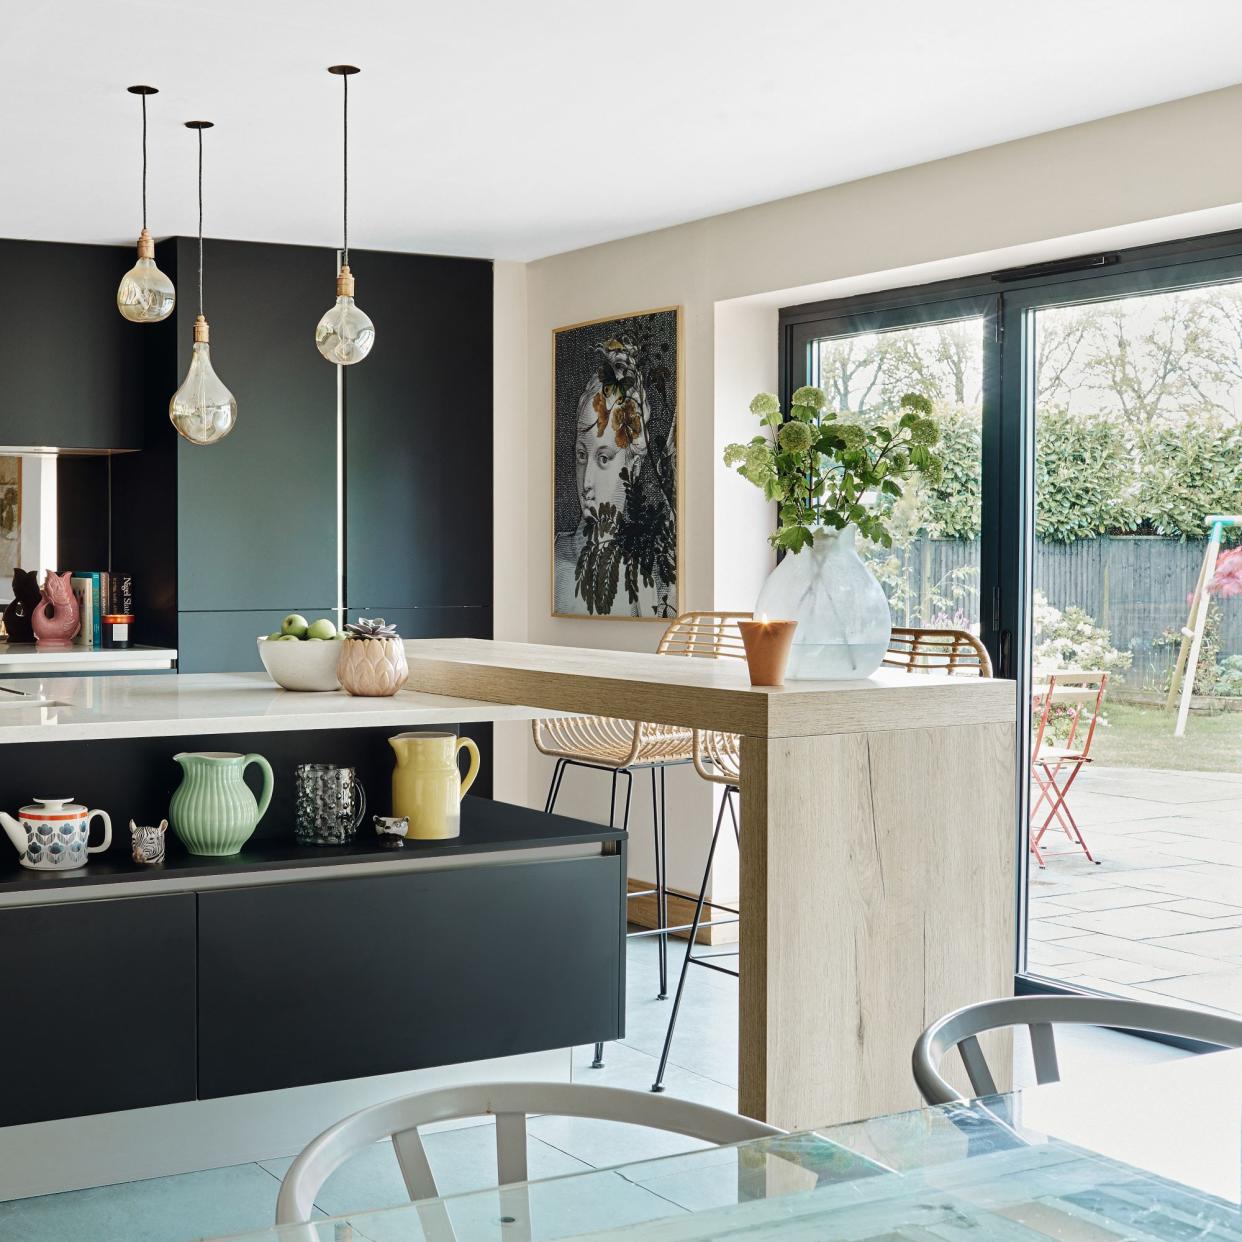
329,804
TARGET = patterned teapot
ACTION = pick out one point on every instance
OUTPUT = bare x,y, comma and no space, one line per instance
52,834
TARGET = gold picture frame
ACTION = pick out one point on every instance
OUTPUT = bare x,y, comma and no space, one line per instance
615,436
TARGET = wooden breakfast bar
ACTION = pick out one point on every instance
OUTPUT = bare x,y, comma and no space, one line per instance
878,850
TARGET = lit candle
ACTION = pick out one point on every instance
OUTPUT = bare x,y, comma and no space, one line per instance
767,649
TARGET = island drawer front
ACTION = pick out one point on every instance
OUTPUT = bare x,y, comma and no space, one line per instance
99,1005
335,979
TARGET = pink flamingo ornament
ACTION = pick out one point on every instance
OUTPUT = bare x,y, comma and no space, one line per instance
56,621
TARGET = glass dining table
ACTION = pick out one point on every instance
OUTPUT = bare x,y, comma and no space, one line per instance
1153,1152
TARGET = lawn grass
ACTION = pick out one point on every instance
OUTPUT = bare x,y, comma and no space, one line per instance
1142,737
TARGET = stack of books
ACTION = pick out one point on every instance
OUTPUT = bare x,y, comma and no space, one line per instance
105,606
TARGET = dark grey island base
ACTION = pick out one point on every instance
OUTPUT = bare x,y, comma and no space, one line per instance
291,965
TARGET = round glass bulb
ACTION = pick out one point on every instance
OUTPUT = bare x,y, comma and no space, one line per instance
145,294
345,334
202,409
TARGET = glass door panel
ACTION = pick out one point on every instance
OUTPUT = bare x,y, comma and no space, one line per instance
931,573
1135,870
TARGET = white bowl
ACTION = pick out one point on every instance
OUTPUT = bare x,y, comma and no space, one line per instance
304,665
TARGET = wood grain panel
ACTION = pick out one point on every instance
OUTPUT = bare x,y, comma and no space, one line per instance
878,885
707,694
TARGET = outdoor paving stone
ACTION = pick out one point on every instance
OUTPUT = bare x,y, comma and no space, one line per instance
1133,922
1052,954
1105,899
1220,990
1205,909
1167,961
1216,943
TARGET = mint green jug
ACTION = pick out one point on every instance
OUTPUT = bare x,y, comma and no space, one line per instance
213,811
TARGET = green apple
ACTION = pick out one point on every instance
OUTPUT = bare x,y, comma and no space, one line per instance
271,638
288,638
323,628
294,626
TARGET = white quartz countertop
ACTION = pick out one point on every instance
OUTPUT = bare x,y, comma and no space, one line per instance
85,708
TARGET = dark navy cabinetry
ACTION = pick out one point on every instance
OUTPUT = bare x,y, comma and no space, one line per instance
71,364
227,539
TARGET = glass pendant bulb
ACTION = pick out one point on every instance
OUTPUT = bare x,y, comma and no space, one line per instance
202,409
145,294
345,334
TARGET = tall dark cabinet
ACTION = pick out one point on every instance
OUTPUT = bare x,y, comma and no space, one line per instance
72,374
418,446
225,540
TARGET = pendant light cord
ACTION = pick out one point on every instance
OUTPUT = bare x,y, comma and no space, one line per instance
200,221
345,178
144,161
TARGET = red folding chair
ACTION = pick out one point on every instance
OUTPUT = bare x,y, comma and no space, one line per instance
1070,700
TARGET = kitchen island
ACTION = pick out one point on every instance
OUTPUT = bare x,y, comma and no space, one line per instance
878,850
327,974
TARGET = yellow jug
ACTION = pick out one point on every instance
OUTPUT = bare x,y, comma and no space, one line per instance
427,788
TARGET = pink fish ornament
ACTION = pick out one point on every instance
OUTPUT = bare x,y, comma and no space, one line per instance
56,621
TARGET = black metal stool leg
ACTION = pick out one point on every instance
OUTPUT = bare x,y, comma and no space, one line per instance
554,789
658,1085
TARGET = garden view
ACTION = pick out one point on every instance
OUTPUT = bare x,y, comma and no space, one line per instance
1138,437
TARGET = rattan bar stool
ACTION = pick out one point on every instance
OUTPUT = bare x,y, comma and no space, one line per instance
717,758
928,651
621,747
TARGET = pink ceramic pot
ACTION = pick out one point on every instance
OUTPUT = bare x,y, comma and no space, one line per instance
55,621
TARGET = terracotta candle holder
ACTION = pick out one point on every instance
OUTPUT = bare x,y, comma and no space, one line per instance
767,649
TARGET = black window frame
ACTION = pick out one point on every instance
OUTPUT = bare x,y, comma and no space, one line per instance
1008,300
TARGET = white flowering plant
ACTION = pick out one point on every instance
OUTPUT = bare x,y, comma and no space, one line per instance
823,471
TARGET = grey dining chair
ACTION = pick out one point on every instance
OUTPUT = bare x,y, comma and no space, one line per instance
510,1103
961,1029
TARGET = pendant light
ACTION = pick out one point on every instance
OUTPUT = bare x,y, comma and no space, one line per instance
145,294
345,335
202,409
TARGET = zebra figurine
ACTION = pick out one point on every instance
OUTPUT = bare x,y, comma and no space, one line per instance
148,843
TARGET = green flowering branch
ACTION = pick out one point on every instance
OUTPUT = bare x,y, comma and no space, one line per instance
824,472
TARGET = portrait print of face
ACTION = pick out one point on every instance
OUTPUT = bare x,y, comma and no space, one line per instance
615,455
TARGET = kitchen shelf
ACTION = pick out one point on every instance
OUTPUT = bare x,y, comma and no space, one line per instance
30,658
487,827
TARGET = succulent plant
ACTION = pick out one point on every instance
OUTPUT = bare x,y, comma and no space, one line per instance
370,627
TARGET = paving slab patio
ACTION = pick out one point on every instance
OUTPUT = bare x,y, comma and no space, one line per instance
1160,916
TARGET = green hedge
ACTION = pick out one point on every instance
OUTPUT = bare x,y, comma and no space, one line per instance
1096,475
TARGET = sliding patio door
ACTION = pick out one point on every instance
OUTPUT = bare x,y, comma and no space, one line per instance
1092,424
1134,872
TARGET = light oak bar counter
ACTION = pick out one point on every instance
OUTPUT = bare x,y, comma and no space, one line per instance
878,850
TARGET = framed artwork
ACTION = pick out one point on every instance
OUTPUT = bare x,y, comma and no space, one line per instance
10,521
616,476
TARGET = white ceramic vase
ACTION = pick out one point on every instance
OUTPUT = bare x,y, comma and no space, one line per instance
843,619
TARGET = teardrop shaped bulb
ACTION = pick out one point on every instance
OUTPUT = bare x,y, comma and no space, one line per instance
145,294
202,409
345,334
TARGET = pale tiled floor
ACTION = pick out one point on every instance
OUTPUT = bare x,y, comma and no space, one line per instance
1161,916
703,1067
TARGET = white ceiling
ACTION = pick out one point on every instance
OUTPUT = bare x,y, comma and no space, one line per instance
520,128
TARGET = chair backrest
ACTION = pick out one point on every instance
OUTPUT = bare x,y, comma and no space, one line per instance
962,1028
712,635
510,1103
928,651
1079,697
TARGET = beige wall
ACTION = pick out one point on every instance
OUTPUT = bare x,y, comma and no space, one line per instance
1145,175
